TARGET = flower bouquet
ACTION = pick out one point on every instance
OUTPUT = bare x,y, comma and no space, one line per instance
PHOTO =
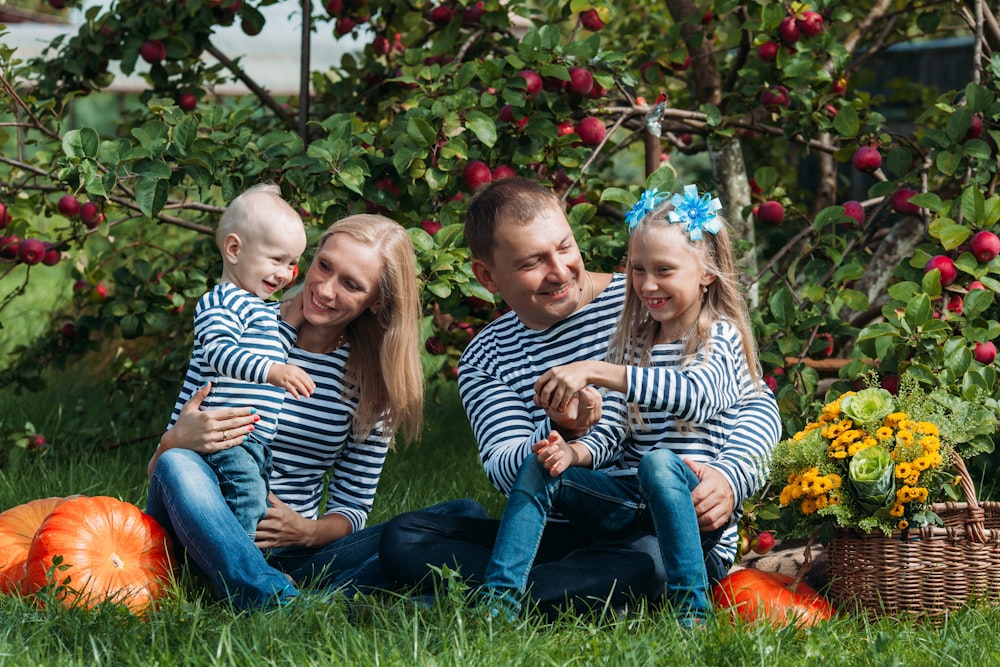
871,460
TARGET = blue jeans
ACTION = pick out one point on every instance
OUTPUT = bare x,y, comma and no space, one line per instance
572,569
609,508
242,473
185,499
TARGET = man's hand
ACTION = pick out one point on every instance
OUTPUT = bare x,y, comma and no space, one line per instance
713,497
582,413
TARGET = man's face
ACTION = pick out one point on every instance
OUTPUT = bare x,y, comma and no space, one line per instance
536,268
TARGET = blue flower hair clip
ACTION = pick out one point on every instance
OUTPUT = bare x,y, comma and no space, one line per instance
649,200
696,212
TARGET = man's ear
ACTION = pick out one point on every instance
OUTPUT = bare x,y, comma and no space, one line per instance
231,248
483,275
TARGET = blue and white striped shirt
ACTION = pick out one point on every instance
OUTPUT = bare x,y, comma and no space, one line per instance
710,394
497,374
237,338
315,436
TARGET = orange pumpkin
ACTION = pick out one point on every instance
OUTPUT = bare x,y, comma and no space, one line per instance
110,549
17,528
768,596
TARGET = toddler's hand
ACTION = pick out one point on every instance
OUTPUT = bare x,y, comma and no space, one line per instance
292,379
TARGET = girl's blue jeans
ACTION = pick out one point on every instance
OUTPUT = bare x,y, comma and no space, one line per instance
609,507
184,497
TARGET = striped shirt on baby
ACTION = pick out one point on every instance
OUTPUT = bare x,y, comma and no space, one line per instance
237,338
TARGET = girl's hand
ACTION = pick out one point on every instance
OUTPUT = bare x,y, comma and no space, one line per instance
283,527
557,386
208,431
556,455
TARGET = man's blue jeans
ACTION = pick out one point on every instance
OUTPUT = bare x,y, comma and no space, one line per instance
184,498
608,507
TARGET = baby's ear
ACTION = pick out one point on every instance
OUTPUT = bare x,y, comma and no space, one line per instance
231,248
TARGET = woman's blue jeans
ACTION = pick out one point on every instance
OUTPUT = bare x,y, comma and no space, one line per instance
184,497
609,507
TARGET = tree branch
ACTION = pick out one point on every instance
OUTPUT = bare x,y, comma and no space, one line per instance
263,95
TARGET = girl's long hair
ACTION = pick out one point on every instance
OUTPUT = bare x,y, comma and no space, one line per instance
383,369
633,338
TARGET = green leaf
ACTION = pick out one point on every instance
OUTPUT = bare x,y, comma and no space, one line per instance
877,329
421,131
928,200
854,300
846,122
151,195
919,310
618,195
973,205
947,162
482,126
782,307
662,179
950,233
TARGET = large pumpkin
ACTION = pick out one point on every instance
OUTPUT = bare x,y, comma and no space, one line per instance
110,550
17,528
757,595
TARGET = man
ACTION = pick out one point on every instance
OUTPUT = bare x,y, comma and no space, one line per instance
523,249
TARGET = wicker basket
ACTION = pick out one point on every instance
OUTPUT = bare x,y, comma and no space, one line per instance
921,573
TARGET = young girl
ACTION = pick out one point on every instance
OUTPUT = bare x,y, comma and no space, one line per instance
680,363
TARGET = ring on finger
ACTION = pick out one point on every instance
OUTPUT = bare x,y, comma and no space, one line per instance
225,435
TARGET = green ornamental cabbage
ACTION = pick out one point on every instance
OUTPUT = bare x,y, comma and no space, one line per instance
871,476
867,407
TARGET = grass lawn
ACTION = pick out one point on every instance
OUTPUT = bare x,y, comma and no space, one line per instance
191,628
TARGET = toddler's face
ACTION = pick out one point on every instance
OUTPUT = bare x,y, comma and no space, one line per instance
267,259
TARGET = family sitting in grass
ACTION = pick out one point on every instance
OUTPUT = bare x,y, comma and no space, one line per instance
629,491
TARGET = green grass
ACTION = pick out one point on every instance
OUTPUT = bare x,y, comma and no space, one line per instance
191,628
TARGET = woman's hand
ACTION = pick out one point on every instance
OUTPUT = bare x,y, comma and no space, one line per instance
205,431
284,527
208,431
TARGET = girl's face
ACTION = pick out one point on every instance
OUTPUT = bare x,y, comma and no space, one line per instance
342,282
669,277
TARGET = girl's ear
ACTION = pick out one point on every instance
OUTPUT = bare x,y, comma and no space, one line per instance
707,279
231,248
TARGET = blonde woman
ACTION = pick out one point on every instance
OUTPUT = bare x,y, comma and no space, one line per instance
359,306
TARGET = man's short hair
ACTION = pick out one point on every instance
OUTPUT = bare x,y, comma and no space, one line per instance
507,201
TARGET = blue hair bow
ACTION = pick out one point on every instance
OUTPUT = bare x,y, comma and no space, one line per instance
649,200
697,212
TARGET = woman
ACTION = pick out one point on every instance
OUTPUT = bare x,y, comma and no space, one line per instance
359,342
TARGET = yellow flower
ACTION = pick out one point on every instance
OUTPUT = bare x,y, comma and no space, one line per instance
894,418
822,501
928,428
808,506
903,470
930,443
897,510
839,454
903,524
884,433
921,463
904,437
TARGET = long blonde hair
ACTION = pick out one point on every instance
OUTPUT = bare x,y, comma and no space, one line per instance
632,340
383,369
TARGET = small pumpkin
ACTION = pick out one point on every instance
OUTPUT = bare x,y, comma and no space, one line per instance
111,551
17,528
768,596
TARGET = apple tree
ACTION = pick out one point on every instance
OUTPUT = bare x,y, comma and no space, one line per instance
596,100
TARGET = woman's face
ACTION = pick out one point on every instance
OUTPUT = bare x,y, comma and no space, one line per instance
342,282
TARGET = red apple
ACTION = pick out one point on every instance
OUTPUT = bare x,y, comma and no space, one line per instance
771,383
31,251
985,353
344,25
770,213
472,15
773,98
839,85
901,202
763,542
433,345
581,81
866,159
975,128
5,216
768,51
441,15
591,20
828,337
477,174
810,24
68,205
9,246
81,286
68,329
553,84
506,114
432,227
955,304
854,209
598,91
788,30
975,284
890,382
503,171
334,7
985,245
98,293
153,51
380,45
591,130
945,266
90,215
565,127
187,101
533,82
51,256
